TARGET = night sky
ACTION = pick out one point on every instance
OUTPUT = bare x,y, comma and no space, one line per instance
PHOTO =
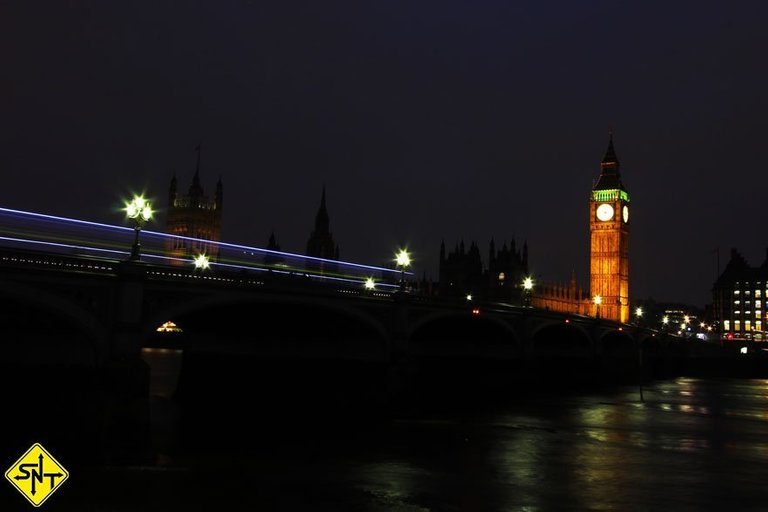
425,120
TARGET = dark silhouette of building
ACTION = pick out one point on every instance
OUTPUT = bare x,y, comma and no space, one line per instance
194,215
507,268
738,299
320,243
462,272
272,245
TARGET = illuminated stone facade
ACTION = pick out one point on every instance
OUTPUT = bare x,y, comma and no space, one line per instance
609,241
569,298
194,215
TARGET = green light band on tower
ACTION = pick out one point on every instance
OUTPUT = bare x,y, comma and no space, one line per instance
610,195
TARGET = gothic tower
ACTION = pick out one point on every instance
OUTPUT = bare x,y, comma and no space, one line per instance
193,215
320,243
609,240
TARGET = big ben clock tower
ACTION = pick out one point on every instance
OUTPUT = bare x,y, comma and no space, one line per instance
609,241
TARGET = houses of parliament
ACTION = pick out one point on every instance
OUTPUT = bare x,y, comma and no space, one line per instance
197,215
461,270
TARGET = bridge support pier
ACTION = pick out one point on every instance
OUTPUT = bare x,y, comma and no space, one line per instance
126,375
401,364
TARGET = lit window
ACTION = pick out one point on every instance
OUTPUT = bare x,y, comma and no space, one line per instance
758,325
747,292
727,325
736,292
737,312
757,294
758,314
736,302
736,325
758,304
747,325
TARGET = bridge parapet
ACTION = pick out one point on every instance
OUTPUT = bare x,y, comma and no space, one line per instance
126,301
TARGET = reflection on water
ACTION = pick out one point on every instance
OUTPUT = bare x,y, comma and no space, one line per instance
692,444
165,368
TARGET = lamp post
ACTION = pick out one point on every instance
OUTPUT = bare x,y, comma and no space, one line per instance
638,314
527,289
597,300
201,262
140,212
403,260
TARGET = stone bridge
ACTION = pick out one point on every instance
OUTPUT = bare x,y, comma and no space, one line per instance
87,310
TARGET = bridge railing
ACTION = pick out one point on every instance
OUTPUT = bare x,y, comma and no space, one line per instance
75,237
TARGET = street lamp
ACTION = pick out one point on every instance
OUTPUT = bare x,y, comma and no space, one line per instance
140,212
369,284
597,300
403,260
527,289
201,262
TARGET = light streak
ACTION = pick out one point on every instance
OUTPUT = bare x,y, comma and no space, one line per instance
148,233
227,265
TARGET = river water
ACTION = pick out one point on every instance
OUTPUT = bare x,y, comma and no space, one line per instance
688,444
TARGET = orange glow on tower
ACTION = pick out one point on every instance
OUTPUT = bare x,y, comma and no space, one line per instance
194,215
609,240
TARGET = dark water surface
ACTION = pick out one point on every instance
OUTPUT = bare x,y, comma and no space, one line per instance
693,444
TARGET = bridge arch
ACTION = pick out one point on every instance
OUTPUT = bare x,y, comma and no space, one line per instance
269,316
561,339
69,333
455,326
616,343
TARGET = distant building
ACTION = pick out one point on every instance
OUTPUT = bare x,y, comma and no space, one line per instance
321,243
507,267
738,298
271,259
670,317
681,318
194,215
462,272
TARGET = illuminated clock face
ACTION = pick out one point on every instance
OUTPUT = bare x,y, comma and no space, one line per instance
625,213
605,212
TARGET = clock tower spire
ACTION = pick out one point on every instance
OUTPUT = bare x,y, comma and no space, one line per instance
609,240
